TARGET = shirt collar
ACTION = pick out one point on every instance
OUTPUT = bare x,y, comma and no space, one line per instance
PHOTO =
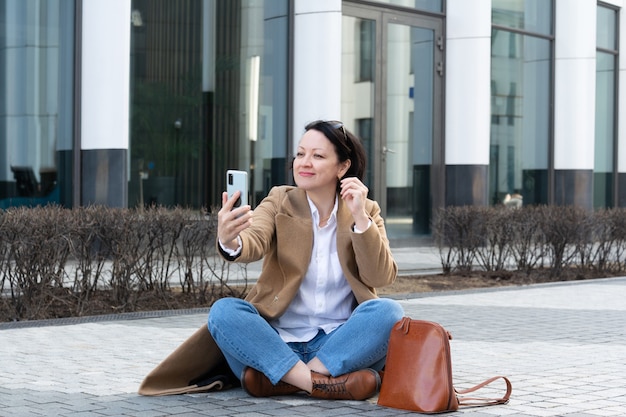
316,215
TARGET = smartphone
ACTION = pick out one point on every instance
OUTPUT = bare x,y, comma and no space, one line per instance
237,180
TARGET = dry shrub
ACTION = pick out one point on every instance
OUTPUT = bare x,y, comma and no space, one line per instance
526,239
458,232
70,262
36,248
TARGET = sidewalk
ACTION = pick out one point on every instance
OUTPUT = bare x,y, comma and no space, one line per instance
563,346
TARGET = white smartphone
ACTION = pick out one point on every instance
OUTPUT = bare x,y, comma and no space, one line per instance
237,180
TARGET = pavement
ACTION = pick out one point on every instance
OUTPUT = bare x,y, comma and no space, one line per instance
562,345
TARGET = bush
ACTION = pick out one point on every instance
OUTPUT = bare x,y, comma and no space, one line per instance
57,262
555,237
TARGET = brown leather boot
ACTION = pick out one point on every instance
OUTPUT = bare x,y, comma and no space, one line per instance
256,384
358,385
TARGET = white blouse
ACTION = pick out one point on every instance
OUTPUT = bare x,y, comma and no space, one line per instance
325,299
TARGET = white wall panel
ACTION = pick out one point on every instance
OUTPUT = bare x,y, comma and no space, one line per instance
105,74
317,62
468,80
468,19
317,6
575,69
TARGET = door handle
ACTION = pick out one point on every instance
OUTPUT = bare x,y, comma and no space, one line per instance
386,150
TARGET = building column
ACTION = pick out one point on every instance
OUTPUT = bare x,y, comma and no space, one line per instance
468,105
621,116
574,102
105,102
317,63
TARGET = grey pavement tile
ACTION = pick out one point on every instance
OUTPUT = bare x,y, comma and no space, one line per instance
375,411
577,414
71,406
166,411
337,409
118,412
194,414
20,411
151,413
214,411
287,412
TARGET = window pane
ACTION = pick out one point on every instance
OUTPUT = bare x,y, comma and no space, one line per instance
209,93
606,28
366,50
520,122
166,100
529,15
428,5
358,85
36,102
605,130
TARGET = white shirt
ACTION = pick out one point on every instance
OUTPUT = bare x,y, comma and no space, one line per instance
325,299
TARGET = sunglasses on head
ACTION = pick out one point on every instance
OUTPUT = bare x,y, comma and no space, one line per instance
331,124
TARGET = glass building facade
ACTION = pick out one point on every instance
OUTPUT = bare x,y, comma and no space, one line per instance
36,102
521,80
457,103
208,92
605,150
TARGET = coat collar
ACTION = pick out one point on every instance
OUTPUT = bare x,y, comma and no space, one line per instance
297,205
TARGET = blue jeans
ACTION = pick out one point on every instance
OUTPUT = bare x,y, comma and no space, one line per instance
247,339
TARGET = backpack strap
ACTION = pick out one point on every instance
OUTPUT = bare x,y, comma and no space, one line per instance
476,402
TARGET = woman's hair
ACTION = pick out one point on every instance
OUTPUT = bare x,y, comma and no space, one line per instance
347,146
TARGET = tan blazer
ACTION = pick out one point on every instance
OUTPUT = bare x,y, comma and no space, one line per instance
281,234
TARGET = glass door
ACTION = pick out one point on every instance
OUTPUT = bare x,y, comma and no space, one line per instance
392,97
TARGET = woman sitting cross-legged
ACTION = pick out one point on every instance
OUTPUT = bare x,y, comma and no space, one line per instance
313,322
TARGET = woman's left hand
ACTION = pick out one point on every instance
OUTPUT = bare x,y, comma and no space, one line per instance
354,194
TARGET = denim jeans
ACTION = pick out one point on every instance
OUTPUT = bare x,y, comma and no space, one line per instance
247,339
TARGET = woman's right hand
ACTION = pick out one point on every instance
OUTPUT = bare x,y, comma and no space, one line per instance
231,221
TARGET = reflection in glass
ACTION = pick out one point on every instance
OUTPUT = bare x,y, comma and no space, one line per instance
36,102
428,5
358,85
409,127
166,103
528,15
606,28
605,115
605,131
520,121
209,83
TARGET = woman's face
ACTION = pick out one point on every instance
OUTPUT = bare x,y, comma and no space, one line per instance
316,165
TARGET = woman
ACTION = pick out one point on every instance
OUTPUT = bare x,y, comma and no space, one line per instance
313,321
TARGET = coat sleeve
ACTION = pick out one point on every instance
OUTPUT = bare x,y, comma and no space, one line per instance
376,265
256,239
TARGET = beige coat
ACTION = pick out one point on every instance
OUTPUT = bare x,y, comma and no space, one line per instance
281,234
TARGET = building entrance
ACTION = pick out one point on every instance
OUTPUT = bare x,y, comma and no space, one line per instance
392,76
